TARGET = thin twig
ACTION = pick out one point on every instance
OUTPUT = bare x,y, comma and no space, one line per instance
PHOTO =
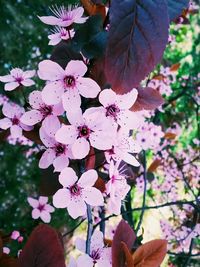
73,229
89,230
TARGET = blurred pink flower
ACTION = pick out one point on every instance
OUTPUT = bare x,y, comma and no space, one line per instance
40,111
16,78
60,34
15,235
64,16
41,209
99,254
66,84
6,250
77,192
86,129
13,114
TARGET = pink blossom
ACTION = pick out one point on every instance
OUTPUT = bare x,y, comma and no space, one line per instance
123,146
117,188
66,84
6,250
60,34
15,235
41,209
40,111
56,153
100,256
16,78
13,115
116,108
75,193
64,17
84,130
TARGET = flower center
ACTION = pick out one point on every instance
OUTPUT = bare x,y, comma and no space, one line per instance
69,81
75,190
46,110
18,79
41,207
95,255
15,121
112,110
60,149
84,131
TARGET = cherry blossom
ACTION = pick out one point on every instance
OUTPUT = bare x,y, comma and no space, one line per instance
116,108
123,146
100,256
64,16
66,84
117,188
13,114
16,78
86,129
15,235
75,193
41,209
56,153
40,111
6,250
60,34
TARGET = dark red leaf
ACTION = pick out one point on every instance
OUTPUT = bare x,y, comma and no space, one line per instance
7,261
148,99
43,249
137,39
124,233
175,8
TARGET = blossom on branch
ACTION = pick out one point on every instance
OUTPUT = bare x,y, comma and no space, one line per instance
76,193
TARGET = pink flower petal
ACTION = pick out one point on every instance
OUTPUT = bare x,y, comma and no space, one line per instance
46,139
51,124
45,216
54,38
107,97
35,99
128,158
31,117
49,208
15,131
52,93
11,86
80,244
88,178
47,158
76,208
85,261
50,20
67,177
97,240
75,117
66,134
5,123
50,71
15,235
71,100
126,101
60,163
35,213
61,198
93,196
43,200
57,109
27,82
33,202
77,14
128,119
29,74
80,148
88,88
76,68
7,79
25,127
